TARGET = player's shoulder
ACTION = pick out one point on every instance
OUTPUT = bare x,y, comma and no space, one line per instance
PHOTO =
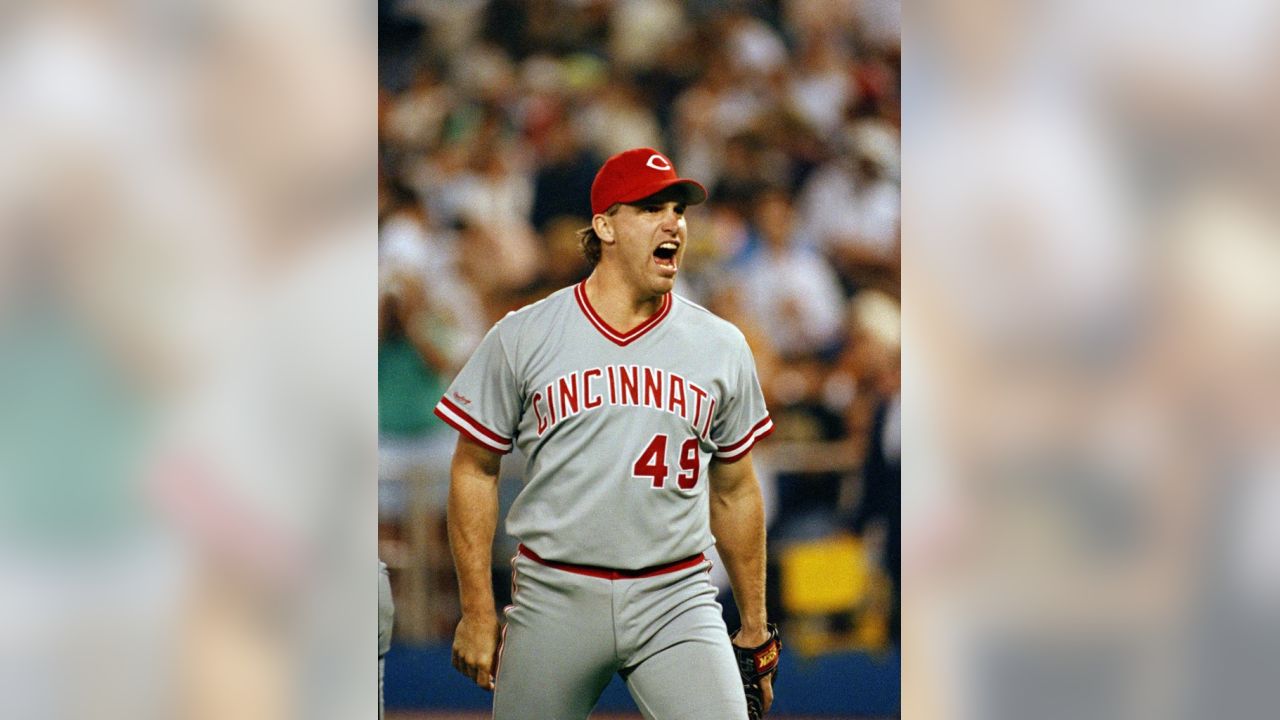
706,323
536,314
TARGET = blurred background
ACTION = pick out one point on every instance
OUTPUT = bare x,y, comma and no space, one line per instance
494,116
188,294
1091,345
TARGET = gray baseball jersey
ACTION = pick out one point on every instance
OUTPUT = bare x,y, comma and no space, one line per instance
618,427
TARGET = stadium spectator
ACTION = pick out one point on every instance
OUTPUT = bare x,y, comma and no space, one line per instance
790,288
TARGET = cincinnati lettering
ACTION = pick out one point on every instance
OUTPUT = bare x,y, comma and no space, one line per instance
623,386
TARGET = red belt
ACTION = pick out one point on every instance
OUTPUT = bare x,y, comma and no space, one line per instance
611,573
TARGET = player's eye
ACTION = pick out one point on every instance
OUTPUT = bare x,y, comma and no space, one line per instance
652,208
680,208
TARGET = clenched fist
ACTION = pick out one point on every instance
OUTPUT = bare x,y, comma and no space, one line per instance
475,648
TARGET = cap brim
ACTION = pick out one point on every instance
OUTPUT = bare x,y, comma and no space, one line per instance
690,192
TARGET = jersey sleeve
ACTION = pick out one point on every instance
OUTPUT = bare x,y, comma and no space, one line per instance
483,402
743,420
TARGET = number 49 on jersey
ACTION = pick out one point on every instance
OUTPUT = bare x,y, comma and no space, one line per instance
652,463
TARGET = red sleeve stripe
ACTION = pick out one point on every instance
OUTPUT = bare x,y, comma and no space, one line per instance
766,420
474,431
462,414
742,447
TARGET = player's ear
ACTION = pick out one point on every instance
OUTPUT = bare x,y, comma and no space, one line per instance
603,228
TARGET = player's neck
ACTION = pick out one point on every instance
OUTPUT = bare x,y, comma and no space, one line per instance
617,303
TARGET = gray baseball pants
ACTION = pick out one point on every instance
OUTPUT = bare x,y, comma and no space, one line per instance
570,629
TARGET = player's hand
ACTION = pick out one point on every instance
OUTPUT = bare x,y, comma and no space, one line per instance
475,648
749,640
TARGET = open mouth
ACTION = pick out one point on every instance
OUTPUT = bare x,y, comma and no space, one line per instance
665,254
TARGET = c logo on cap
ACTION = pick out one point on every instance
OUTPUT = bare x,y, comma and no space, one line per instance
657,162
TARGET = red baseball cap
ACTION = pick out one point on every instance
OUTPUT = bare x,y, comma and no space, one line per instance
636,174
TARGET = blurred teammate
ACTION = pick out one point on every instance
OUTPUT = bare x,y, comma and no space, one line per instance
637,411
386,619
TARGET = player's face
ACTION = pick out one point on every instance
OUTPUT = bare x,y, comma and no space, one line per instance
649,242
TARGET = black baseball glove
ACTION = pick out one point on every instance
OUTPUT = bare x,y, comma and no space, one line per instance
755,664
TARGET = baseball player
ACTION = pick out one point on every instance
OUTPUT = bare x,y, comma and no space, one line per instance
637,411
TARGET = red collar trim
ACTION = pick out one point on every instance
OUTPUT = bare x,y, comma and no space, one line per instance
619,338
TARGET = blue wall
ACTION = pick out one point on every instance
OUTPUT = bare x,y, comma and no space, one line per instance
422,678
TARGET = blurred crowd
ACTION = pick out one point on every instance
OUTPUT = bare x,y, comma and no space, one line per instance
494,116
187,443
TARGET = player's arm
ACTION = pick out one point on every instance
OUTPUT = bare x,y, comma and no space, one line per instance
737,521
473,518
